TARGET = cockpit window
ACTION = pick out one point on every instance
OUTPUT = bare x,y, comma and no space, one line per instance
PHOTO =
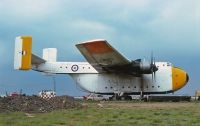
169,64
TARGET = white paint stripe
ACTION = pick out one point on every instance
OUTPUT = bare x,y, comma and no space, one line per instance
18,55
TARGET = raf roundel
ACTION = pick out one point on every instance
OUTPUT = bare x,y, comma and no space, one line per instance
74,68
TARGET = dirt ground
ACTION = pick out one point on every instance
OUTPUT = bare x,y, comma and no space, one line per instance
36,104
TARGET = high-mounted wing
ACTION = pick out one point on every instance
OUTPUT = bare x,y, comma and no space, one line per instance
102,56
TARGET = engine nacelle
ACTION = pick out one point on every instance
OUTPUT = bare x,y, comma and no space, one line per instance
145,67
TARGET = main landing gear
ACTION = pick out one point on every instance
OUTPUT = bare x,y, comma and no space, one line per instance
120,96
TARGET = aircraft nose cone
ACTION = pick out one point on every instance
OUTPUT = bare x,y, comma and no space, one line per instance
179,78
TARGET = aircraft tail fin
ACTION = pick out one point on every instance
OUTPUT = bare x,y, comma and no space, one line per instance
23,53
23,57
50,54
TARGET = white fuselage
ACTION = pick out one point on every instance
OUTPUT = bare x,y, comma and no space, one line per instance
162,77
108,83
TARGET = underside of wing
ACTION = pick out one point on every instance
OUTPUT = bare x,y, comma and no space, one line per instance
101,55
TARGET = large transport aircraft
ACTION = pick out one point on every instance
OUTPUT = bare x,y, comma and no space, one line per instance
106,72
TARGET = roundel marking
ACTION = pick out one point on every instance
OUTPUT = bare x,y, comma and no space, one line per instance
74,68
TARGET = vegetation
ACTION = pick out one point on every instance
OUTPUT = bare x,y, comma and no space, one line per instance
111,114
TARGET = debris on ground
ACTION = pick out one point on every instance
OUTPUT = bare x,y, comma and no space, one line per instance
100,105
36,104
30,115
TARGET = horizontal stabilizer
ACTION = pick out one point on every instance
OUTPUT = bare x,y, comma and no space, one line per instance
36,60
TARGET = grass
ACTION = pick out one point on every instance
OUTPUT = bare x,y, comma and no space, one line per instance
108,116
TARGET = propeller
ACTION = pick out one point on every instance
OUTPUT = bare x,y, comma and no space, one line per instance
145,67
153,67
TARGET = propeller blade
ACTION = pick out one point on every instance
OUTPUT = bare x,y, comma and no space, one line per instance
154,74
151,57
153,67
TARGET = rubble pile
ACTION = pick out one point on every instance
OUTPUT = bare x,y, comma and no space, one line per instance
36,104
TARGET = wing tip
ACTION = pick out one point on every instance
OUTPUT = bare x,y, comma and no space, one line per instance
91,41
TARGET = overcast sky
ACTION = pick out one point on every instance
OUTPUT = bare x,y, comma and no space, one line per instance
169,28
